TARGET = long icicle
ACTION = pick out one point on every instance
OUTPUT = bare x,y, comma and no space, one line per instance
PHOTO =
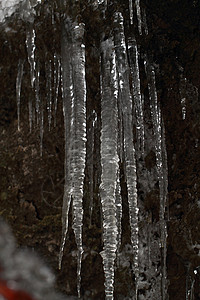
129,150
57,77
18,88
30,45
139,18
37,91
74,106
138,103
160,164
49,90
109,162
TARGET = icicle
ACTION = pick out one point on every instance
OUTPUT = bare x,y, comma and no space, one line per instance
160,165
109,163
90,158
74,106
138,10
118,203
49,91
146,31
37,91
41,127
30,45
131,11
182,89
125,101
57,78
18,88
134,69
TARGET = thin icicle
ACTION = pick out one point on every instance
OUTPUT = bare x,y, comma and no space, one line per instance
37,91
18,88
30,45
182,90
74,106
138,103
57,79
144,21
139,18
131,11
49,91
41,127
157,127
127,123
109,163
90,159
118,203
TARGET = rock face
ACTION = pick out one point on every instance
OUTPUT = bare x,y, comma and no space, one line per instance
32,161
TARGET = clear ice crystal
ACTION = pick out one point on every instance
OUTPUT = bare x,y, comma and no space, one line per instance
74,108
125,103
109,162
18,88
137,97
49,90
30,45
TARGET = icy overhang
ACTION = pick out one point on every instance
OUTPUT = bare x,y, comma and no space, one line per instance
24,8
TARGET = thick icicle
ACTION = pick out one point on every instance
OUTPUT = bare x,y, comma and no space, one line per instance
49,91
127,123
139,18
30,45
160,164
109,162
138,103
18,88
74,106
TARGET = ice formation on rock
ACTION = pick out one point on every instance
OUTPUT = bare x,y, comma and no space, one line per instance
74,109
121,150
125,103
109,162
18,88
161,164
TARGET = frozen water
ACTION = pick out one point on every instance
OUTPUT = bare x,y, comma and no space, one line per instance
109,162
74,107
18,88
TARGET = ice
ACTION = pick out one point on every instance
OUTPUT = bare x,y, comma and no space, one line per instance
30,45
37,91
125,104
26,12
183,94
90,158
138,102
131,10
18,88
138,10
74,107
57,79
109,162
49,90
161,165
